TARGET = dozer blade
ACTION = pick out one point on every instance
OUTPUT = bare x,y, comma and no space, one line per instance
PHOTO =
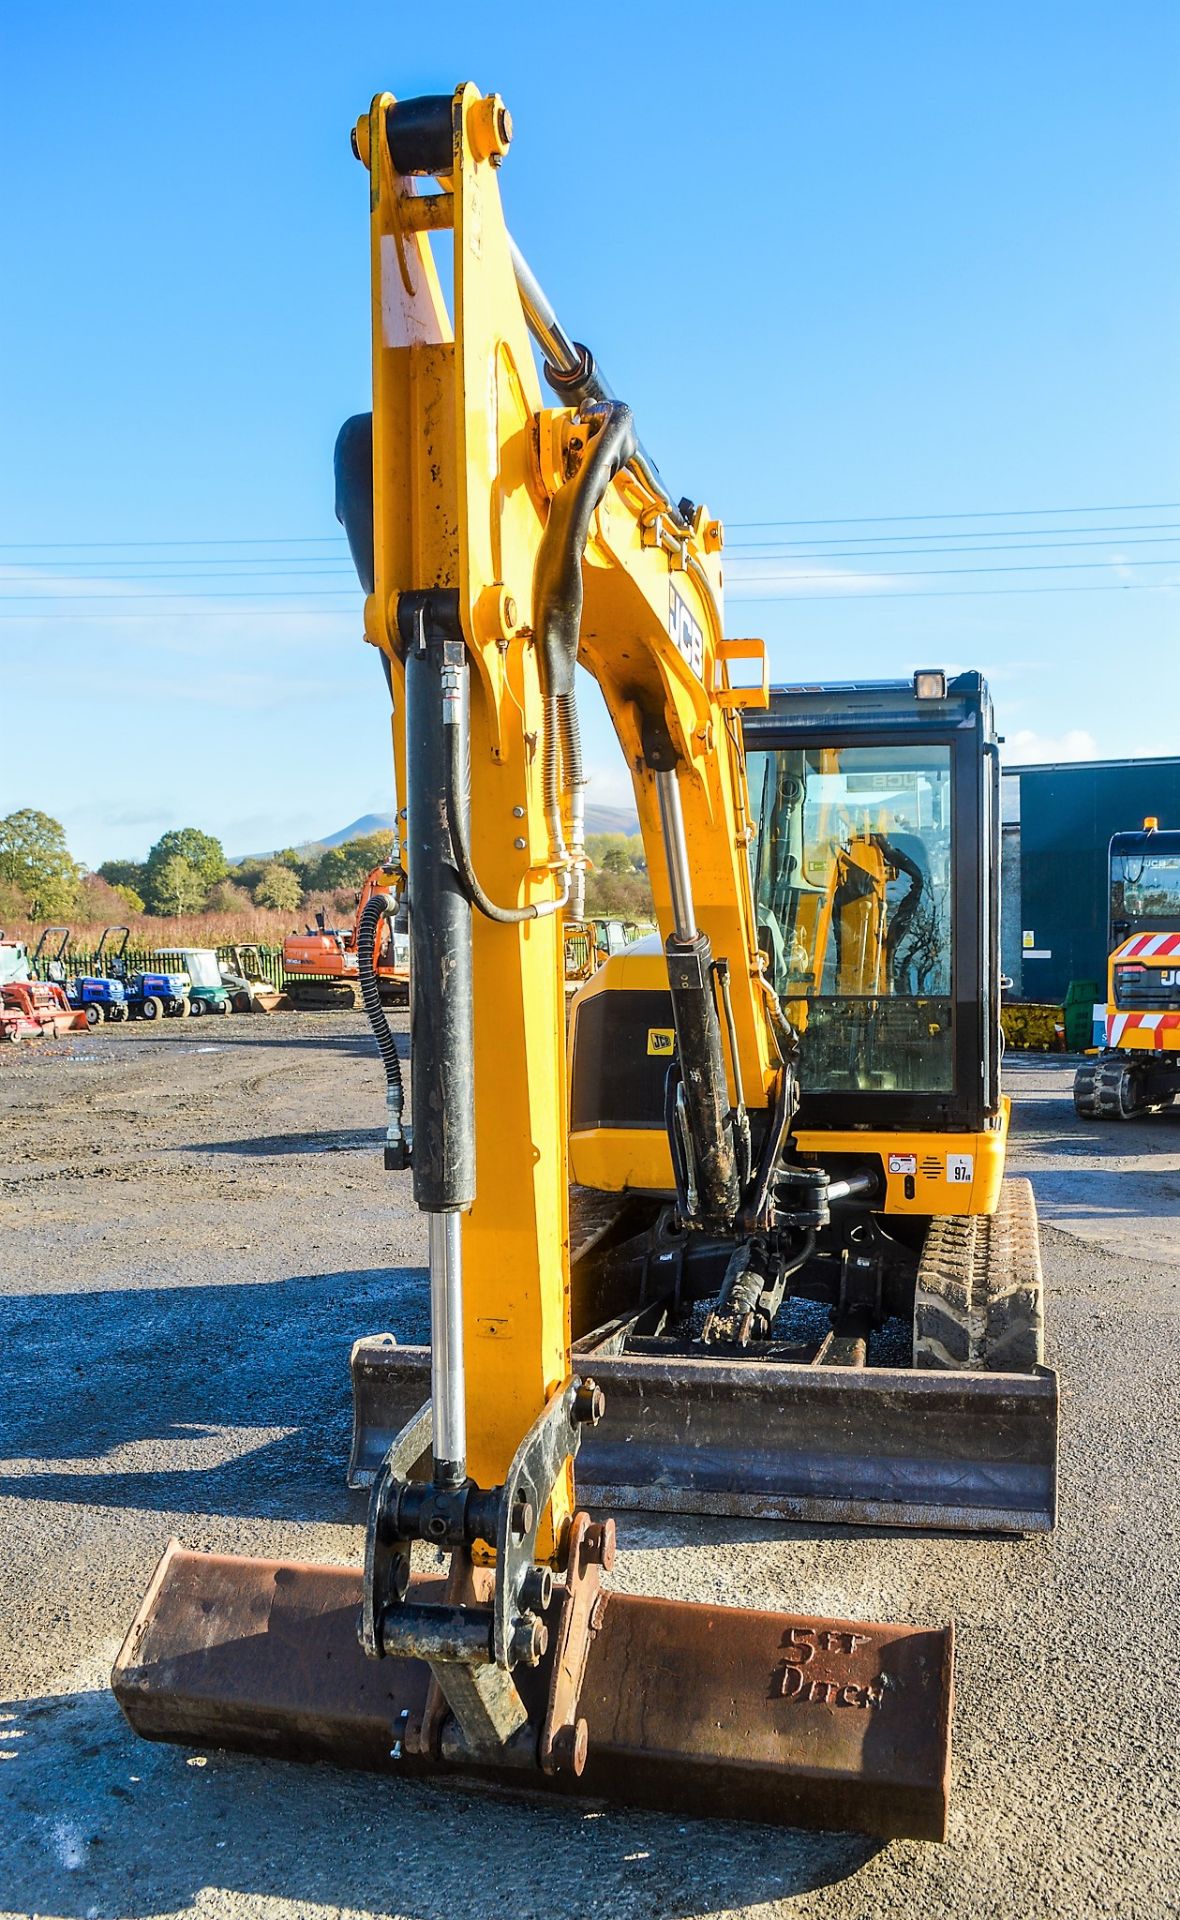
694,1709
877,1446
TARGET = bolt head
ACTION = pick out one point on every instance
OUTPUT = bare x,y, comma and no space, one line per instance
530,1640
570,1745
589,1404
602,1544
539,1588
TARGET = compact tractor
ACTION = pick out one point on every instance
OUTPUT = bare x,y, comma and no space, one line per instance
151,994
207,991
99,998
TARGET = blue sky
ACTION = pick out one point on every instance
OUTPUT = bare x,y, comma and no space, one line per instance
853,264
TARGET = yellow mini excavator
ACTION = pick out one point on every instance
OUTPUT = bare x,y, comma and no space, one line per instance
782,1118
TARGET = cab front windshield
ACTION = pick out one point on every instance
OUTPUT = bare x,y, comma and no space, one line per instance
852,889
202,969
1145,887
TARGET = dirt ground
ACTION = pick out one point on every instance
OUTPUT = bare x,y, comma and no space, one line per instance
196,1227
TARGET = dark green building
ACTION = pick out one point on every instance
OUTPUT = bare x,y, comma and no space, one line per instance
1058,821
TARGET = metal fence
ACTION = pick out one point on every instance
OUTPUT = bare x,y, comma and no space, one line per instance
84,960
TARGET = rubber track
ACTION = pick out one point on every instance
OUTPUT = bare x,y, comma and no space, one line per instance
979,1299
1104,1089
592,1214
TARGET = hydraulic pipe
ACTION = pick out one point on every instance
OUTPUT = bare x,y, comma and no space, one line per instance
448,1386
676,854
852,1187
714,1176
555,343
573,372
442,1037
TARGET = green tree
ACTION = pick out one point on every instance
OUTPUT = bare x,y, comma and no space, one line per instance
176,887
228,897
125,873
616,860
278,888
131,900
625,896
617,852
200,852
347,865
36,864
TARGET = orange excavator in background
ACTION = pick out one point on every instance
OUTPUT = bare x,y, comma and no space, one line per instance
320,966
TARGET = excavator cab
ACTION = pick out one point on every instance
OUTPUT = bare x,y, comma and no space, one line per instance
874,813
867,889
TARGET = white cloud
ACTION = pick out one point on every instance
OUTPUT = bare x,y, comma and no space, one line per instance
609,785
1027,747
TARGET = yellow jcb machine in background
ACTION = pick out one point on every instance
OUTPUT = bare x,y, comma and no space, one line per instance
501,541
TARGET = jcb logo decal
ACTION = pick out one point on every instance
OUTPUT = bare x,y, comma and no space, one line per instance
660,1040
687,635
1169,976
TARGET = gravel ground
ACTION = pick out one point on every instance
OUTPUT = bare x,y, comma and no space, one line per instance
197,1228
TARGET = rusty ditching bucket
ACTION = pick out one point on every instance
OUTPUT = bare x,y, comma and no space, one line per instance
689,1708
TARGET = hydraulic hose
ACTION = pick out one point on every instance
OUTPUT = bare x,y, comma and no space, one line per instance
558,596
573,778
396,1147
479,898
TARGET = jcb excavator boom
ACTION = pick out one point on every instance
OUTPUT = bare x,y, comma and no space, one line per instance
501,541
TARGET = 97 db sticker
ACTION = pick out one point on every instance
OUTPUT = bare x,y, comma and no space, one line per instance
960,1168
660,1040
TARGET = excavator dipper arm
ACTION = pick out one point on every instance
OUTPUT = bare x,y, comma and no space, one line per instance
505,541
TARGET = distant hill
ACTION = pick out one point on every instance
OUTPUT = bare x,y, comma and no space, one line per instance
359,830
598,820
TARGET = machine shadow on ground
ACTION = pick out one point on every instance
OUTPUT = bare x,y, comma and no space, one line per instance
88,1803
211,1364
268,1145
230,1034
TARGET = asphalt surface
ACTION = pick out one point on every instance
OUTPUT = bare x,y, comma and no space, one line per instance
196,1228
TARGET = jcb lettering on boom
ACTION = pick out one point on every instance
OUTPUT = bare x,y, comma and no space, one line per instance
688,635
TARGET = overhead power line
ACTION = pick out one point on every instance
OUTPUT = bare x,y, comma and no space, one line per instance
904,553
253,540
742,553
12,576
847,520
930,573
268,593
933,593
965,533
850,598
994,513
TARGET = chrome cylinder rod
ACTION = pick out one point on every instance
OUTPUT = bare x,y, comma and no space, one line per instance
565,356
676,853
543,323
447,1374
